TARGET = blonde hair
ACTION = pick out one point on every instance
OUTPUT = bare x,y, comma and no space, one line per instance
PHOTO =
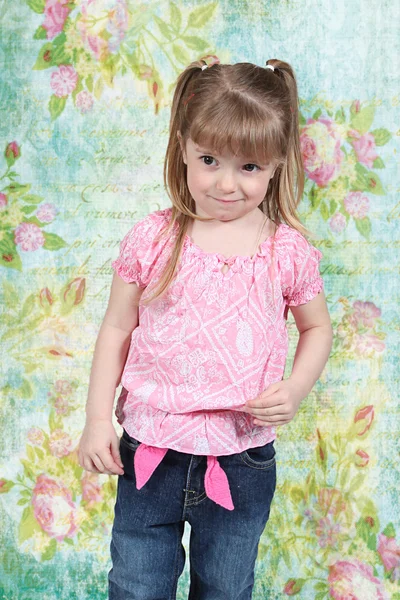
249,110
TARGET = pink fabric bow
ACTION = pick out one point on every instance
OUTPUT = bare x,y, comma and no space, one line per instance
147,458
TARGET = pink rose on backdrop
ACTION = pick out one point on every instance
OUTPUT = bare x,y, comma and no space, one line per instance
12,151
103,25
366,416
60,443
320,146
46,212
84,101
354,579
356,204
35,436
366,313
327,532
3,201
365,148
368,343
91,490
29,237
64,81
389,552
53,508
61,405
337,223
63,386
364,458
55,13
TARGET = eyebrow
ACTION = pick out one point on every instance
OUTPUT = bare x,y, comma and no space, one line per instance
207,151
198,149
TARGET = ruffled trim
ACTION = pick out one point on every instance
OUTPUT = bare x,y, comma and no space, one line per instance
127,272
236,263
306,294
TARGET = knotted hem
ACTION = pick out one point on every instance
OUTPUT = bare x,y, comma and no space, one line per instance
147,458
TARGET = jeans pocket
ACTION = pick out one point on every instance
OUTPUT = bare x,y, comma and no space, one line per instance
261,457
127,448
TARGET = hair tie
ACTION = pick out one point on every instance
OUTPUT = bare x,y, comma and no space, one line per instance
204,67
270,67
187,99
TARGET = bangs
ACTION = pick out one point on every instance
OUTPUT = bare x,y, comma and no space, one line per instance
240,130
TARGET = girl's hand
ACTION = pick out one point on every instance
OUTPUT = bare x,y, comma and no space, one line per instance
99,448
277,405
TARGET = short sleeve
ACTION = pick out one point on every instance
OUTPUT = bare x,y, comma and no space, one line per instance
299,263
138,251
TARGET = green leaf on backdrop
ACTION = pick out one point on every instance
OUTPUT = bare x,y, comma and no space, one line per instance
17,189
180,54
195,43
340,116
40,33
27,307
89,83
32,199
378,163
324,211
382,136
176,17
389,531
367,181
9,256
58,54
53,241
50,551
36,5
10,295
317,114
164,28
27,210
43,61
361,121
363,226
56,106
28,525
199,16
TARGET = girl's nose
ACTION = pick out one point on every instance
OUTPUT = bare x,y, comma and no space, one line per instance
226,182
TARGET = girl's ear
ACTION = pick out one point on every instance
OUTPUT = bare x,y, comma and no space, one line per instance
182,147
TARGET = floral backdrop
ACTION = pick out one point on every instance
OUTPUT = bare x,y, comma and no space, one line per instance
86,89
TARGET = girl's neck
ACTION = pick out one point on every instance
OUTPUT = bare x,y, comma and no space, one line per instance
231,238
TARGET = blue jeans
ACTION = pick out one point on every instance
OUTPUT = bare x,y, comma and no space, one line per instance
146,544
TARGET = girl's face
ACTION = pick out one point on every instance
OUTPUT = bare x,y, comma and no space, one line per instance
224,187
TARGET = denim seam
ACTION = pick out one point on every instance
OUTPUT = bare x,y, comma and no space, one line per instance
257,465
176,575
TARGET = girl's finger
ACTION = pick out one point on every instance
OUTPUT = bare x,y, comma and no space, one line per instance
100,465
268,423
88,465
262,412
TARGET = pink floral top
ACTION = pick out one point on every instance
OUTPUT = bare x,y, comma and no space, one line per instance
214,341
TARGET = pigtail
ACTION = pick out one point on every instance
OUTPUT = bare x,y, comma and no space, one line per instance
183,209
289,184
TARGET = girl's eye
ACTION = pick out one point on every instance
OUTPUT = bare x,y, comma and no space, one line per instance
252,165
206,157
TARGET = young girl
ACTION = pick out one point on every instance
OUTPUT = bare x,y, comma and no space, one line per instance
195,330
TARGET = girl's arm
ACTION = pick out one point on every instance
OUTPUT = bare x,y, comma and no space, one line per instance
99,443
278,404
314,345
111,349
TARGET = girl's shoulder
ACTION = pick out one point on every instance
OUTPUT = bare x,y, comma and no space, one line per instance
292,242
154,220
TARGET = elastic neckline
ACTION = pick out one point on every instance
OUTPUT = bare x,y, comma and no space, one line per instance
236,257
